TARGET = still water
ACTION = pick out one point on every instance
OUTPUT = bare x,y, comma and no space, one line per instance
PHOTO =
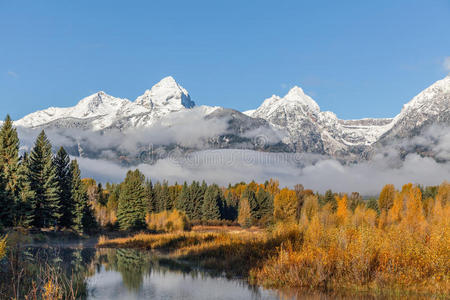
129,274
133,274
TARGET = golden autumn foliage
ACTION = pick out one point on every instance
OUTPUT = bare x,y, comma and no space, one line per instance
386,198
399,250
244,215
285,205
405,248
168,221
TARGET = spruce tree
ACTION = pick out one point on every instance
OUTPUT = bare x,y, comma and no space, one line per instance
212,203
3,200
151,204
157,197
9,164
62,165
44,183
132,208
183,198
164,197
265,204
26,199
195,204
83,219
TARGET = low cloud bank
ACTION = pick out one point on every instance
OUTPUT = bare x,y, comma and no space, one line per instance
390,164
314,172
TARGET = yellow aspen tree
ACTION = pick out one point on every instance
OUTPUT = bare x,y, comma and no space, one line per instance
244,215
443,193
285,205
386,198
395,213
273,187
342,212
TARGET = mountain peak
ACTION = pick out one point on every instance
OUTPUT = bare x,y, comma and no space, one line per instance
298,96
166,93
168,81
296,90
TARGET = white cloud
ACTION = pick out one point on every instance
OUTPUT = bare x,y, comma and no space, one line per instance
446,63
13,74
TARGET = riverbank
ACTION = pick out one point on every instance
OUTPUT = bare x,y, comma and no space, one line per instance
295,257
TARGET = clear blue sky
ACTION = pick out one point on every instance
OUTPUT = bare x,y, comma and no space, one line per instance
356,58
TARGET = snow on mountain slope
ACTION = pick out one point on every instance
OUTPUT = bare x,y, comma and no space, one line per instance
312,130
293,123
166,95
101,107
105,111
249,112
431,106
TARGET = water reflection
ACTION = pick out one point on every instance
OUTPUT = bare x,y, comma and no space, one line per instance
129,274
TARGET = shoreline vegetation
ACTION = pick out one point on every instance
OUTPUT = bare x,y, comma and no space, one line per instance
402,250
395,243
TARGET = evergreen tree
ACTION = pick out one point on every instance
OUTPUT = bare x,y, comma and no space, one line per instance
44,183
62,165
151,203
3,200
174,191
9,164
131,210
26,199
83,217
195,204
102,199
183,198
265,204
212,203
164,197
329,197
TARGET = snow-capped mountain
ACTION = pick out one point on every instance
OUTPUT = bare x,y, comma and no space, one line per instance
100,110
292,123
313,130
431,106
166,95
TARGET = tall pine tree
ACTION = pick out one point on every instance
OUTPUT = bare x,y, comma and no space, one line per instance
9,164
183,198
26,199
132,208
62,165
83,218
44,183
212,203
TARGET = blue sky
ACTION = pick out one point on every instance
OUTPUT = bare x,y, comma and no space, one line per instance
356,58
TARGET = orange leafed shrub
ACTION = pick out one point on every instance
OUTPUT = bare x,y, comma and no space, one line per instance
168,221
